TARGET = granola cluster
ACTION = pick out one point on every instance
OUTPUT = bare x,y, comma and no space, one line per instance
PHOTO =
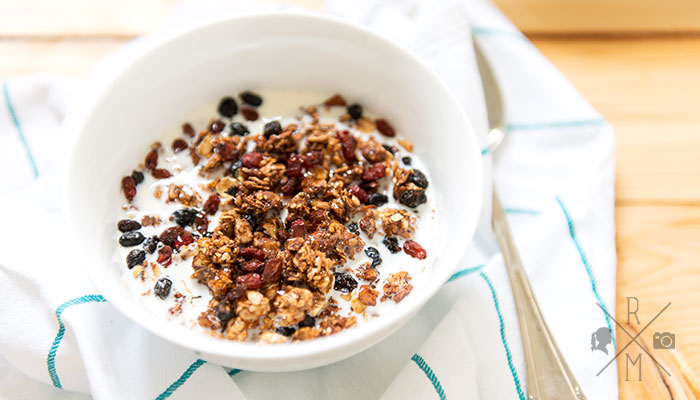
271,233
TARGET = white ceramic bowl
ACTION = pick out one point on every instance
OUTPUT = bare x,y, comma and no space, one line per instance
275,50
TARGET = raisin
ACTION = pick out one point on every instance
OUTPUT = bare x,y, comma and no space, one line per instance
161,173
185,216
179,145
170,236
373,253
249,113
165,256
251,160
418,178
217,126
355,111
298,228
251,266
312,158
348,143
228,151
150,244
162,288
285,330
187,129
354,228
308,322
378,199
232,191
385,127
211,206
252,221
239,129
414,250
370,187
228,107
151,160
130,239
295,166
235,167
406,160
390,149
392,244
135,257
374,172
129,187
224,312
250,281
201,223
250,253
184,239
234,294
290,186
128,225
359,193
137,176
273,270
344,282
251,98
272,128
413,198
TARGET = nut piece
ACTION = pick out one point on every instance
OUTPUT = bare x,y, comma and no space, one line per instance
397,286
253,306
397,222
368,296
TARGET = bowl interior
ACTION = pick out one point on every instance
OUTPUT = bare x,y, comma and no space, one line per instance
268,51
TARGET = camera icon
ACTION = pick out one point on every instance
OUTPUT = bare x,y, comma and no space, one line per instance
664,340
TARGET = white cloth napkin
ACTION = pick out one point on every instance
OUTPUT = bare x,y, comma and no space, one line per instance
554,172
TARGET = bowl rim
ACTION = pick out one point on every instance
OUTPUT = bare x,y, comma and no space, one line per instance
359,339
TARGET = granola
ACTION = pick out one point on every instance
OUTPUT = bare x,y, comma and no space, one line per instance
259,225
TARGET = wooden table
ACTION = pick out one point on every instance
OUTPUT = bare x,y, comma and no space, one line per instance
636,61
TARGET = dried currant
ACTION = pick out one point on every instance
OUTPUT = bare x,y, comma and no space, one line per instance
228,151
252,221
232,191
217,126
135,257
235,167
295,166
185,216
413,198
308,322
285,330
162,288
355,111
137,176
225,312
211,206
373,253
129,187
128,225
290,186
272,128
344,282
150,244
414,250
348,144
378,199
385,128
249,113
179,145
390,149
406,160
353,228
418,178
187,129
239,129
228,107
392,244
130,239
251,98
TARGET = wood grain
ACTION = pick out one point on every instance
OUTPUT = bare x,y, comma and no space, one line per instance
658,258
597,16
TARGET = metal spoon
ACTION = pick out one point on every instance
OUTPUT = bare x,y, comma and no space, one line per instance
548,375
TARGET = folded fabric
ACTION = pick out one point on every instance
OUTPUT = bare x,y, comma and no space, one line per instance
554,172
